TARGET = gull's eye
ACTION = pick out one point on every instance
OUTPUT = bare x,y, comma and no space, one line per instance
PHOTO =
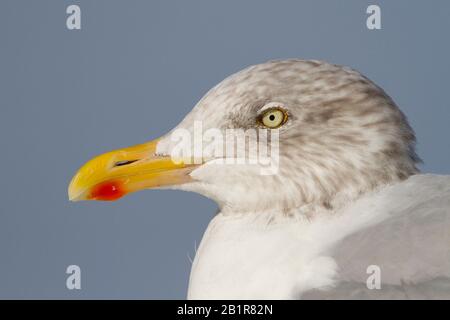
274,118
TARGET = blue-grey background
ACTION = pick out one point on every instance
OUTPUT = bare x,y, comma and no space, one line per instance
131,74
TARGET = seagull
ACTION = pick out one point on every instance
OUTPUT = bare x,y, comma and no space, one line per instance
346,215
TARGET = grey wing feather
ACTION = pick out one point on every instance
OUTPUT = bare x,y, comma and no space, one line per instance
438,288
411,247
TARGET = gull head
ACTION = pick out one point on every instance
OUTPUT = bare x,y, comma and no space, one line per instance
275,136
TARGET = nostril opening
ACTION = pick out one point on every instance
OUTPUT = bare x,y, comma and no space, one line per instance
123,163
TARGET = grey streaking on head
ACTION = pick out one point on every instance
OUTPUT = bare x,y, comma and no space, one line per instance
344,137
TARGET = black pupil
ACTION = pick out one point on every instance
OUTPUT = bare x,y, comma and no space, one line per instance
272,117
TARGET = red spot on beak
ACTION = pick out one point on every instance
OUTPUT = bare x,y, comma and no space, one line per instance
107,191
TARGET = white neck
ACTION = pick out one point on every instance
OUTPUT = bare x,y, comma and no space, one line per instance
254,256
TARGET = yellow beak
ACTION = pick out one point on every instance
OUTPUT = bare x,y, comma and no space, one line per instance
117,173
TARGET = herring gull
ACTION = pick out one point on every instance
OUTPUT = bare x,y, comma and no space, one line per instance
347,196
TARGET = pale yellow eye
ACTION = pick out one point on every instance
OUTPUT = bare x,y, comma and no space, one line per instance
274,118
